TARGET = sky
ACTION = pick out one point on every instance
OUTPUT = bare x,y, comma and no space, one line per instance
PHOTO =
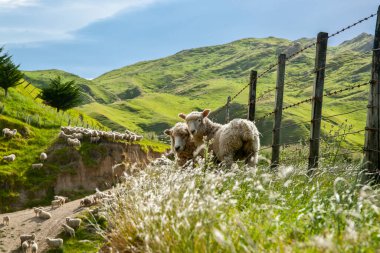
91,37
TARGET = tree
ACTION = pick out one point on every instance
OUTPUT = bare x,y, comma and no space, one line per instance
61,95
10,75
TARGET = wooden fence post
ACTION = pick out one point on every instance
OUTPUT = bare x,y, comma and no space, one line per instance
372,135
278,111
252,96
316,111
228,109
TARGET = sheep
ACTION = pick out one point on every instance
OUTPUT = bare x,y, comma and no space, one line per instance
10,158
100,194
33,245
9,133
25,237
69,230
73,222
37,210
25,246
64,136
56,203
182,144
78,136
43,157
44,215
54,243
73,142
5,130
94,139
64,199
37,165
86,202
6,220
237,140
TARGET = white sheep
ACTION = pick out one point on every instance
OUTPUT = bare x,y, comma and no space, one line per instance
54,242
43,157
73,142
73,222
10,133
26,237
64,136
37,210
5,130
68,230
6,220
37,165
237,140
78,136
33,245
63,198
25,246
56,203
94,139
10,158
44,215
182,143
100,194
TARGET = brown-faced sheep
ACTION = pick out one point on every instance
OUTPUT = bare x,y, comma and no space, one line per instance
237,140
182,144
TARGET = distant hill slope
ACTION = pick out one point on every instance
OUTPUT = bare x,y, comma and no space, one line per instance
150,94
90,92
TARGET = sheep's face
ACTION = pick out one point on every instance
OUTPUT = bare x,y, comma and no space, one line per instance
195,121
179,135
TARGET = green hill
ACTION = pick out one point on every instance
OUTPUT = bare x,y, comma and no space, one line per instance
90,92
152,93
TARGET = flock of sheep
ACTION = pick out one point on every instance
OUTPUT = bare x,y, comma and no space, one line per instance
237,140
74,135
28,242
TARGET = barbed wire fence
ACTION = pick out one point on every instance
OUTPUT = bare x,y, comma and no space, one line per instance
371,147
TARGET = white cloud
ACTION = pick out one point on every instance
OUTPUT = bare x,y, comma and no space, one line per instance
10,4
24,21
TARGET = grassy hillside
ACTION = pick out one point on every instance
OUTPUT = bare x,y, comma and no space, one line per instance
152,93
90,93
38,126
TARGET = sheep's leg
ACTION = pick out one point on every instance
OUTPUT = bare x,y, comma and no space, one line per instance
228,160
253,160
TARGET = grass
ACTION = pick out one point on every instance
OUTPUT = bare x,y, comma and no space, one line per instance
241,209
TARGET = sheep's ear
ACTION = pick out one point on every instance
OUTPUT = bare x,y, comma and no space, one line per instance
168,132
206,112
182,115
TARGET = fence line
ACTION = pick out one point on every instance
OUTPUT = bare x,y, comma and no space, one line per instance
272,66
318,73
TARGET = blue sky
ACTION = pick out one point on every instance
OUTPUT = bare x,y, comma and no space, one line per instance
91,37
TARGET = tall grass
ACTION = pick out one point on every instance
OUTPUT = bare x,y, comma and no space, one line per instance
242,209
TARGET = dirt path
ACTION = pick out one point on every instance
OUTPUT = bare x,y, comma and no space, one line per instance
25,222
